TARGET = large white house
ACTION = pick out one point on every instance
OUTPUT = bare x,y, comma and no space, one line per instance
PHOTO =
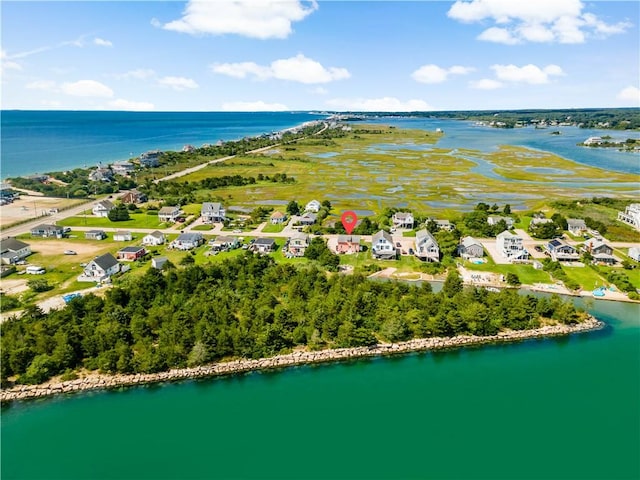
382,246
403,220
426,247
154,238
100,269
212,212
169,214
102,208
12,250
313,206
631,215
510,246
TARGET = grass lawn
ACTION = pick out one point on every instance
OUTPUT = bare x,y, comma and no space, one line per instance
137,220
202,227
585,276
526,273
634,274
273,228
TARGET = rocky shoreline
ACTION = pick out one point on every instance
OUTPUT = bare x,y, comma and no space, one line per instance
102,381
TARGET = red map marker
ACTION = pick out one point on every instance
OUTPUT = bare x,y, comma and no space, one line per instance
349,220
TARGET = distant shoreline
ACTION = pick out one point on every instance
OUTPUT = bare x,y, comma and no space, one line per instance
106,382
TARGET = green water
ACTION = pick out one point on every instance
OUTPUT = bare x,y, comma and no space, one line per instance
559,408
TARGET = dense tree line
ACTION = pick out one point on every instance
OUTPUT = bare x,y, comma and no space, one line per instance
249,307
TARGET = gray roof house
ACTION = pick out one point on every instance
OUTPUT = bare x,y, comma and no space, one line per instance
154,238
382,246
95,235
169,214
511,246
307,219
212,212
600,251
470,248
426,247
47,231
561,251
402,220
298,244
102,208
224,242
12,250
495,219
187,241
264,245
100,269
576,226
158,262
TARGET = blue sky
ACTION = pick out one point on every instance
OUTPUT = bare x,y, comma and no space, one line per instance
327,55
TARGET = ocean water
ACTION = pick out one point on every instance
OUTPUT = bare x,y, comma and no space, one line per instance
564,408
45,141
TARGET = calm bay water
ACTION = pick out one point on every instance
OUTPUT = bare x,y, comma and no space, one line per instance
561,408
46,141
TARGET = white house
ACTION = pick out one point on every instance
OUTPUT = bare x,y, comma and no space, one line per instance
158,262
224,242
510,246
426,247
495,219
187,241
12,250
95,235
634,253
264,245
403,220
100,269
154,239
576,226
382,246
122,236
278,218
313,206
561,251
470,248
102,208
298,244
150,158
631,215
212,212
169,214
123,168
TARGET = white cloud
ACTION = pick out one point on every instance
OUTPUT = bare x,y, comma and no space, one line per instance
258,106
631,95
319,91
177,83
138,74
121,104
296,69
531,74
86,88
41,85
7,64
251,18
102,43
486,84
51,103
384,104
435,74
547,21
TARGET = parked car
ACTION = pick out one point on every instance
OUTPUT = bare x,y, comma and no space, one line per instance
538,248
398,245
237,230
70,252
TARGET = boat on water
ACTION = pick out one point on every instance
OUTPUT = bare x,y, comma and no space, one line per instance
599,292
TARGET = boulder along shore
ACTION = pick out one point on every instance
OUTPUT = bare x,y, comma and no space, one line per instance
105,381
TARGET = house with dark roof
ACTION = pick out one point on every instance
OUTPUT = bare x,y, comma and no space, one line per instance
212,212
264,245
13,250
187,241
382,246
600,251
133,196
100,269
561,251
576,226
95,235
150,158
47,231
426,246
131,253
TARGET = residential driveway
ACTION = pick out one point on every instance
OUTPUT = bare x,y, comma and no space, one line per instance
490,246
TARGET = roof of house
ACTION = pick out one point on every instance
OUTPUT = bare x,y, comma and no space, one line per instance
157,260
497,218
189,237
11,243
168,210
130,249
507,234
310,216
594,243
402,215
380,235
211,207
470,241
94,232
105,204
299,236
46,226
425,234
226,239
157,234
123,233
576,222
105,261
265,241
348,238
278,215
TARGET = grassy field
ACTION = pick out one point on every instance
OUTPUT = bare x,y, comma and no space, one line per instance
526,273
271,228
137,220
405,169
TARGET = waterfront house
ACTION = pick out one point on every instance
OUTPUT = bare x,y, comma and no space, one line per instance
495,219
187,241
95,235
13,250
470,248
306,219
150,158
535,221
101,174
348,244
631,215
131,253
298,244
441,224
264,245
133,196
382,246
212,212
313,206
600,251
123,168
426,246
561,251
576,226
634,253
169,214
278,218
593,141
100,269
154,239
47,231
122,236
511,246
224,242
102,208
158,262
403,220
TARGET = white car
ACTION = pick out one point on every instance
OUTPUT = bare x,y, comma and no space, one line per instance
237,231
70,252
